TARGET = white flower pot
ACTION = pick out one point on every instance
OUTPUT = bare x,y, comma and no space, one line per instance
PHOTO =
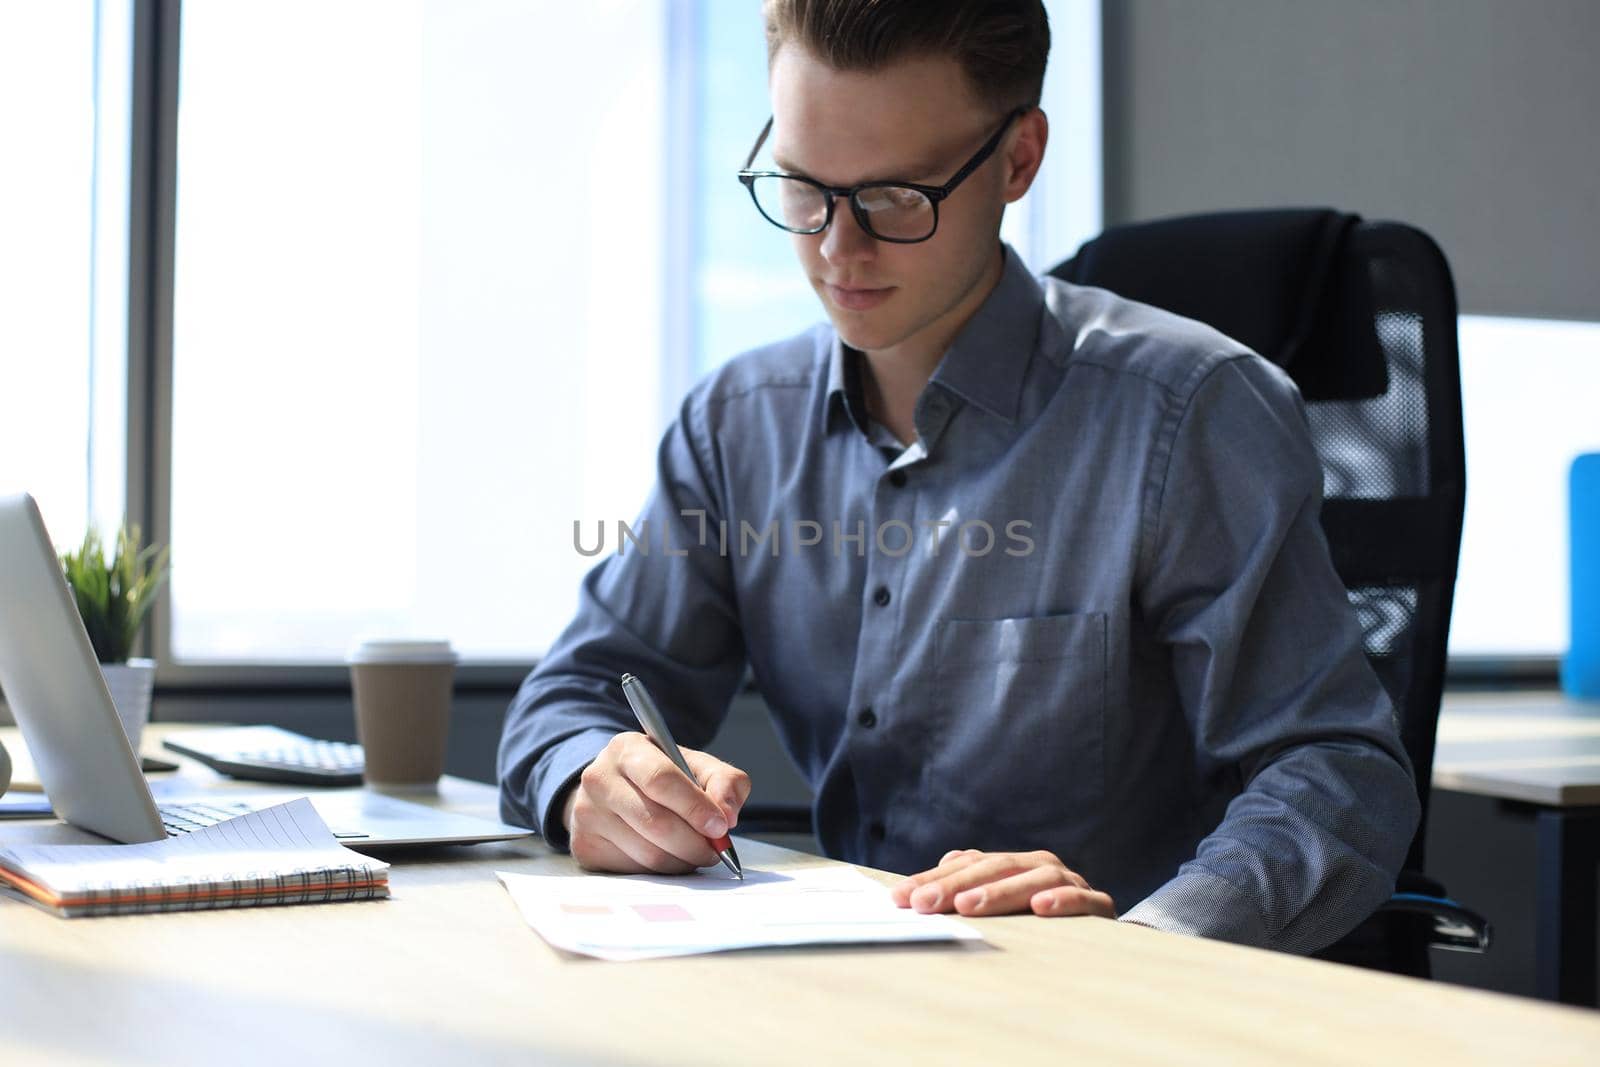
131,684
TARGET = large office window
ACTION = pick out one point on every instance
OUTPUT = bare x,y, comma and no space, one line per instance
64,123
443,271
417,316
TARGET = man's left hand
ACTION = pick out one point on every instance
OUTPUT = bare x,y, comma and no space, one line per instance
970,882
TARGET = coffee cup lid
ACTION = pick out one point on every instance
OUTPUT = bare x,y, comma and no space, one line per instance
407,650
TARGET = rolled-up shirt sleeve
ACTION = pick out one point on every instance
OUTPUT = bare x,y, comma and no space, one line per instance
665,612
1274,684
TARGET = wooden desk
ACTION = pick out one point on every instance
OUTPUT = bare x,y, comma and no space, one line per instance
447,972
1539,754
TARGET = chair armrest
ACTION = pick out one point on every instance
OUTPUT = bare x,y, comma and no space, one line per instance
1452,926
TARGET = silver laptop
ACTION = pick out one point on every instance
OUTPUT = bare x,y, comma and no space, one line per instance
59,698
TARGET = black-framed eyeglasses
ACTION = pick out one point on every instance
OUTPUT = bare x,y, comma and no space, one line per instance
901,212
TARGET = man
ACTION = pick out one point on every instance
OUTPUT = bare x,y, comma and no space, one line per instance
1031,576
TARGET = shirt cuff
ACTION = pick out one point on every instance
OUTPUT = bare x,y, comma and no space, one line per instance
561,769
1202,904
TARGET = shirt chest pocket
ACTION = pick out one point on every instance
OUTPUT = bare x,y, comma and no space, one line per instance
1020,707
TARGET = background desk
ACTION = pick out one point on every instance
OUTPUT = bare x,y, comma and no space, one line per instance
447,971
1538,756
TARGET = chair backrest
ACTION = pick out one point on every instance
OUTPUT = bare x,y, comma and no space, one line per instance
1363,316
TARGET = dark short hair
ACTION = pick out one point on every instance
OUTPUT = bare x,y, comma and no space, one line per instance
1002,45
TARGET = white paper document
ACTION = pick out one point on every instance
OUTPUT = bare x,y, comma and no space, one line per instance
635,917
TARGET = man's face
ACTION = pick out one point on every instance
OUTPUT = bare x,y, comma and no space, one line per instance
915,121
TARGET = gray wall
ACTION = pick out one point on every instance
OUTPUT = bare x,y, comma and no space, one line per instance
1476,120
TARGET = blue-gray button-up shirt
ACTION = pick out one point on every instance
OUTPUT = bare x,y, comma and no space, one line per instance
1090,610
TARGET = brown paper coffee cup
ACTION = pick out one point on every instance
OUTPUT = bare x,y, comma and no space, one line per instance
402,701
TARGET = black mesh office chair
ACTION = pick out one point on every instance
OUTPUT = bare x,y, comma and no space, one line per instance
1363,316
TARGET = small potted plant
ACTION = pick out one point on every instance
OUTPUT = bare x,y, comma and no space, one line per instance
114,597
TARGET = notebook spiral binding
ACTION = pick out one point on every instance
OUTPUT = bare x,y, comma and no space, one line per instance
304,885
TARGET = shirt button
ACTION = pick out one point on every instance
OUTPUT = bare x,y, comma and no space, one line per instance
881,596
897,478
867,718
877,832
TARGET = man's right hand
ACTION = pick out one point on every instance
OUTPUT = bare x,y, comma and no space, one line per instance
634,812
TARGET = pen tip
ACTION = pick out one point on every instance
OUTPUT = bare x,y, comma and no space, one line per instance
730,860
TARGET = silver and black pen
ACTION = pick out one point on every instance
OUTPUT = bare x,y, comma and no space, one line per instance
655,727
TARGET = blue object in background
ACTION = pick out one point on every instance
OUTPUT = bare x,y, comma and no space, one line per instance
1580,671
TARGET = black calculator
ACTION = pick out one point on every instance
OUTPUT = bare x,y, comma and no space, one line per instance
270,754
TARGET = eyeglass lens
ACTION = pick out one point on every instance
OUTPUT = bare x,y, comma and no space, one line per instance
895,212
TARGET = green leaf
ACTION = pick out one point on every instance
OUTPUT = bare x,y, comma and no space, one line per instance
115,597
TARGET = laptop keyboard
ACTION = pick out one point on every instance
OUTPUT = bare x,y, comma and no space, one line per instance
180,819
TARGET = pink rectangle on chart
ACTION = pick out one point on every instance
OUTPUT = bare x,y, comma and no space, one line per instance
663,913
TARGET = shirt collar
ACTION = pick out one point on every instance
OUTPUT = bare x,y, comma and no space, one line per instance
845,389
985,365
989,359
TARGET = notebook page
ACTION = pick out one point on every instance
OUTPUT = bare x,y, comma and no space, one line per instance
286,838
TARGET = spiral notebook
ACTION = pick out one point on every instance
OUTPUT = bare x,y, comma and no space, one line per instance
279,855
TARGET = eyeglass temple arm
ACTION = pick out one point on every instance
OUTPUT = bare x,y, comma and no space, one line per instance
983,153
759,142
